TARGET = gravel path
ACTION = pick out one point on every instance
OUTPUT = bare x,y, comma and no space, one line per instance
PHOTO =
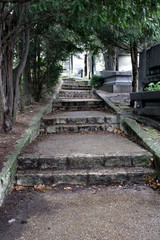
112,213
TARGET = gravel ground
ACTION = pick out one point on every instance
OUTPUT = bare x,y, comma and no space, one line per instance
79,213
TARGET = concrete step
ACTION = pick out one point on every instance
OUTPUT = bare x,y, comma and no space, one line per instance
78,104
89,177
82,121
88,158
76,94
82,161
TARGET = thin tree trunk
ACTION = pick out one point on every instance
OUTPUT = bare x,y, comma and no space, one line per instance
7,77
26,84
8,58
4,111
34,85
85,65
134,57
18,71
93,64
39,83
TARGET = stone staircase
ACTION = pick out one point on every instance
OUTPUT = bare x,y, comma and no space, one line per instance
78,104
71,84
77,96
81,147
80,121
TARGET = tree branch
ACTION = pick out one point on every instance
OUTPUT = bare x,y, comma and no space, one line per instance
15,1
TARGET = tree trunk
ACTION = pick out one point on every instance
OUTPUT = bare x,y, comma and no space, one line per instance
93,65
8,59
85,65
5,120
34,59
110,58
38,70
18,71
8,77
134,57
26,84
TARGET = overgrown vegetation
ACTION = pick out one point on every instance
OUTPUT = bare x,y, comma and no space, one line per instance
96,81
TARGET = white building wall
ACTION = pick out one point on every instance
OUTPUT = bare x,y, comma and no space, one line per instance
78,64
124,63
99,64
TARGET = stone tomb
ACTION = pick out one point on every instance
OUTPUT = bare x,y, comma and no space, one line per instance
148,102
117,81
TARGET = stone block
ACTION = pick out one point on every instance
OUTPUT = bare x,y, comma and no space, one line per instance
117,82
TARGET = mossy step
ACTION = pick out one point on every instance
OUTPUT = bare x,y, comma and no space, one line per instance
87,177
70,128
80,118
82,161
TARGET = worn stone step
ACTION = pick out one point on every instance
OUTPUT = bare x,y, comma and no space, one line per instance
76,94
79,128
79,108
68,79
89,177
76,87
99,143
78,104
75,82
80,117
88,158
81,121
82,161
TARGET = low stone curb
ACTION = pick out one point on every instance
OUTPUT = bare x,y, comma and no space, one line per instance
148,139
109,104
8,172
133,129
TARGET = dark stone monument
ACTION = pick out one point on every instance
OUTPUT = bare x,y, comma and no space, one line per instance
148,102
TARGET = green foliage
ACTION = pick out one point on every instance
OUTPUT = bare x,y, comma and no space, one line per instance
153,87
50,46
96,81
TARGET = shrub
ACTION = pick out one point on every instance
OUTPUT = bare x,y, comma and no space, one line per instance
153,86
96,81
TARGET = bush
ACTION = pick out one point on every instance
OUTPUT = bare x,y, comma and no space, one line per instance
153,86
96,81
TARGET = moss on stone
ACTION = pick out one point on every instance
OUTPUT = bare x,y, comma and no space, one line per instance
147,137
9,169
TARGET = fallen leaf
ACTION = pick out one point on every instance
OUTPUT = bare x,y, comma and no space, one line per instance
39,187
19,188
115,130
68,188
